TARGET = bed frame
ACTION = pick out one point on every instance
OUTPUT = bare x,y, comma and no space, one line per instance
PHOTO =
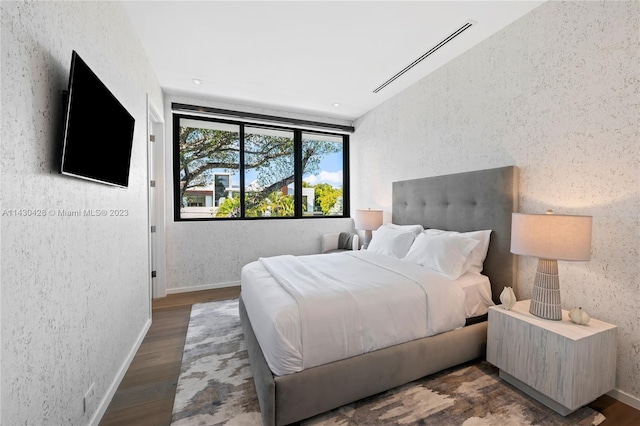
462,202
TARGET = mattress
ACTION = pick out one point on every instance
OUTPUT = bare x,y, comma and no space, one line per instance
350,303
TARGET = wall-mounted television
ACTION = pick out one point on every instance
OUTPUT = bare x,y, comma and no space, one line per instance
98,130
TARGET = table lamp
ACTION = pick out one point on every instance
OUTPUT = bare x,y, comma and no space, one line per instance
550,237
368,220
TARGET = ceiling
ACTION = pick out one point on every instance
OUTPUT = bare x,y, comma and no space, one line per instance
318,57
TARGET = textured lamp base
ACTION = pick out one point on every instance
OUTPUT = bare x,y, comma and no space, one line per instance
545,301
368,235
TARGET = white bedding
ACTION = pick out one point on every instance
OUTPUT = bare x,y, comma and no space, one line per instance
311,310
477,293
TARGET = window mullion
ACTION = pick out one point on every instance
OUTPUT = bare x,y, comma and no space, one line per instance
242,174
346,196
297,162
177,200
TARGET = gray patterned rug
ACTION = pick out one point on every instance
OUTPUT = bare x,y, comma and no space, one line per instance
215,388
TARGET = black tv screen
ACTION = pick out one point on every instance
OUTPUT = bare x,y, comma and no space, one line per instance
98,130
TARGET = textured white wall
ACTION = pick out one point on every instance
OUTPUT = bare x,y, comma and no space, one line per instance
211,253
75,290
556,94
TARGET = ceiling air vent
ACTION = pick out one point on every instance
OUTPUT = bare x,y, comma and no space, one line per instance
453,35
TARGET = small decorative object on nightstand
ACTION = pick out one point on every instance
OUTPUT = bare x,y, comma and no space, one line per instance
508,298
563,365
579,316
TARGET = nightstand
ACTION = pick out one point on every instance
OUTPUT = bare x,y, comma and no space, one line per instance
561,364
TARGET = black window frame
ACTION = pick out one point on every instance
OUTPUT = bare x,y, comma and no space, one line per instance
297,132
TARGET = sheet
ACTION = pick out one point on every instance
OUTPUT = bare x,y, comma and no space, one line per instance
389,300
477,294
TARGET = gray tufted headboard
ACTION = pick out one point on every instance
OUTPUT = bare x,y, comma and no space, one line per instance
463,202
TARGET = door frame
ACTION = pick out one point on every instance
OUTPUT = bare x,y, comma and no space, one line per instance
155,202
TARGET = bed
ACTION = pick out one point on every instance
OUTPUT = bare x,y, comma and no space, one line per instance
463,202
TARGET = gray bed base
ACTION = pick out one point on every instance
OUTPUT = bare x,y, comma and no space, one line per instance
294,397
461,202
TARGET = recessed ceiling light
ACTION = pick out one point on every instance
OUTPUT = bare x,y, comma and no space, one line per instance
197,81
336,104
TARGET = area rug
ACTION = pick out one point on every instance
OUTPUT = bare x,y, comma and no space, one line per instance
215,387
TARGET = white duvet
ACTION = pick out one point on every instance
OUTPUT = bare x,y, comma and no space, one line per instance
311,310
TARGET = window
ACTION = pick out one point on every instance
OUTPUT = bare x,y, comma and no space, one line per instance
323,174
269,172
235,170
196,200
207,156
222,187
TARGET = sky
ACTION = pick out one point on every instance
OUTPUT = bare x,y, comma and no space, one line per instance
330,171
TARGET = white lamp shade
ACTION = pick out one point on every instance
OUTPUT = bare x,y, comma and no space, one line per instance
551,236
369,220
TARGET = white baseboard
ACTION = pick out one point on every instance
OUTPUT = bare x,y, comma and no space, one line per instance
626,398
104,403
202,287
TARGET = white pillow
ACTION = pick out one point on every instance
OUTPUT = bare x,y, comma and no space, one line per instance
444,253
391,242
416,229
475,262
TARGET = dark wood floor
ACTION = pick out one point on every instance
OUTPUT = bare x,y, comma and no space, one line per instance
145,396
